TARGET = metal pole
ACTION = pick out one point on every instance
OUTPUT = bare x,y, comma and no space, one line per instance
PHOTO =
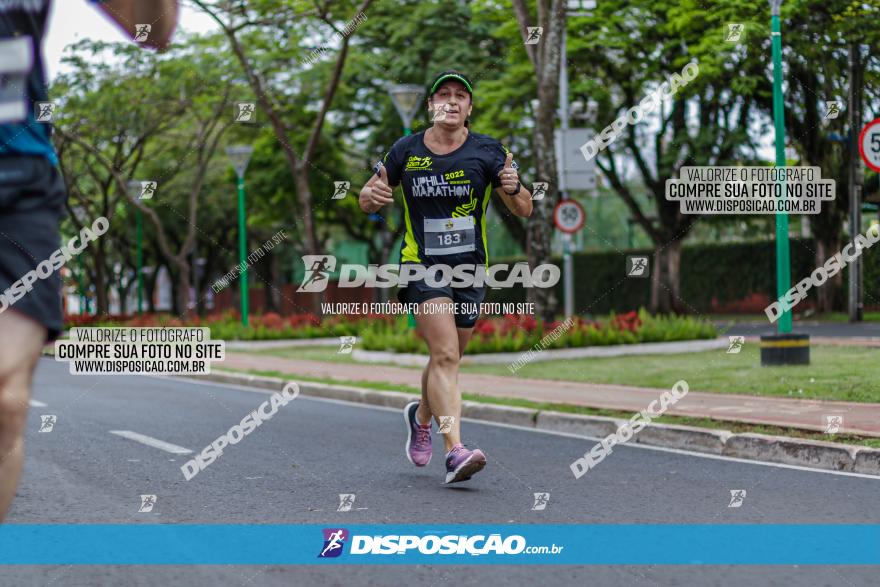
783,262
140,259
855,187
242,253
567,261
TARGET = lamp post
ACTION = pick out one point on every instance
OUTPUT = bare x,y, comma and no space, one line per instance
239,156
134,190
785,347
406,99
783,262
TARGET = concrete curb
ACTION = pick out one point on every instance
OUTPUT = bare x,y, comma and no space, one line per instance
758,447
617,350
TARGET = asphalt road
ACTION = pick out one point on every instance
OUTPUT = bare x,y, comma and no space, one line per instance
293,467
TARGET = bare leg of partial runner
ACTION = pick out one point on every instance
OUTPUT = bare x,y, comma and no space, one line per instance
21,342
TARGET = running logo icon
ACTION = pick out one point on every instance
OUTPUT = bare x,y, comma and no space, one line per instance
334,541
534,33
141,32
734,32
346,501
832,109
47,423
439,114
539,190
318,269
341,189
541,501
346,344
833,424
44,111
245,111
147,503
446,423
148,188
636,266
737,497
736,344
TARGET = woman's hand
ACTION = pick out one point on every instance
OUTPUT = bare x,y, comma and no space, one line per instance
509,176
377,193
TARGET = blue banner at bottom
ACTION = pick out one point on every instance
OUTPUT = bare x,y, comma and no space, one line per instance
524,544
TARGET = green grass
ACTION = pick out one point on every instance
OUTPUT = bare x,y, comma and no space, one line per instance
835,373
544,406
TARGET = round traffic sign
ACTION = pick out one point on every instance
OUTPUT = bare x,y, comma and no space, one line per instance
869,144
569,216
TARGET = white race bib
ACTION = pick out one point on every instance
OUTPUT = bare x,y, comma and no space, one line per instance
16,61
448,236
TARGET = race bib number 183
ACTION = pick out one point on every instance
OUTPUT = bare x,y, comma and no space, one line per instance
448,236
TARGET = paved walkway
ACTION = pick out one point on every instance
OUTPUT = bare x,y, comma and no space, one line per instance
858,418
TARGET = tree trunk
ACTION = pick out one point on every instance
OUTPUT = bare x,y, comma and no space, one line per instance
150,286
825,297
666,278
101,297
184,310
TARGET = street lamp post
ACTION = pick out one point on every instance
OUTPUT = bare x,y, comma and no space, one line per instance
783,263
784,347
406,99
134,190
240,155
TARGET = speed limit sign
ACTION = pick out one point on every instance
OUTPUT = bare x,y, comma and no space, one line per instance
569,216
869,144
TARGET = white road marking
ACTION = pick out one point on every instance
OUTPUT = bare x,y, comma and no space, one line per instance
37,404
551,432
154,442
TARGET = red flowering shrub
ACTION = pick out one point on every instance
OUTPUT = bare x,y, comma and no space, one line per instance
626,322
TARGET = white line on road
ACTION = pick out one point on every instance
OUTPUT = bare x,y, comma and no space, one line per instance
37,404
551,432
154,442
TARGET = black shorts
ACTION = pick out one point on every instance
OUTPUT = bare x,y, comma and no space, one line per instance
417,292
32,197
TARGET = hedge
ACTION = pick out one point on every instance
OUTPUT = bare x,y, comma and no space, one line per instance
726,273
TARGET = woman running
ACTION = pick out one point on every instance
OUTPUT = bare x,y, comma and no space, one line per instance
446,171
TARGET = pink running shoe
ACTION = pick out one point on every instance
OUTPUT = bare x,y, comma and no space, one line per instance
418,437
461,463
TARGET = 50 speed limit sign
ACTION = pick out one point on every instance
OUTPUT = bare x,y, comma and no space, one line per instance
569,216
869,144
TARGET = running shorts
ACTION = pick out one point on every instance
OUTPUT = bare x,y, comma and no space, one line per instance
32,198
417,292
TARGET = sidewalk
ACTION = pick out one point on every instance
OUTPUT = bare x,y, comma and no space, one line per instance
858,418
839,333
